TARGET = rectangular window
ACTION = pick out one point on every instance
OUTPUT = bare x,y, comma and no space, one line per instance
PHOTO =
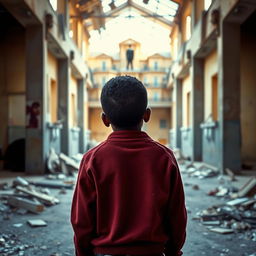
155,96
155,65
53,101
163,124
215,97
156,81
188,109
103,65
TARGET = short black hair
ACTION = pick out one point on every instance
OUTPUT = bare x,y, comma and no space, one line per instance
124,101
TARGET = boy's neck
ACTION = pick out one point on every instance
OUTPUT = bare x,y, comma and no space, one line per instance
135,128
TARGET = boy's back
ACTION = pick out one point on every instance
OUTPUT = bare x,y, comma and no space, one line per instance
129,198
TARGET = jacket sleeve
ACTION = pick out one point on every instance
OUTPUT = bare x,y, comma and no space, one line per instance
176,219
83,210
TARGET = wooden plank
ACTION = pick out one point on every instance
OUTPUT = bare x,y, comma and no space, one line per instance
27,204
46,199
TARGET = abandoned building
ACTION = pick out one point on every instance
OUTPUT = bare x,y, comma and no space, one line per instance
201,93
196,59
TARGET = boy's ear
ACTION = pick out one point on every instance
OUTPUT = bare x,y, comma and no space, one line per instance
147,115
105,119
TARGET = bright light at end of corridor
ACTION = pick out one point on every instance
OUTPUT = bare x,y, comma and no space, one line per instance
152,36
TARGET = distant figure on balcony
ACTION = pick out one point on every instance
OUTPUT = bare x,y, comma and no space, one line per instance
129,57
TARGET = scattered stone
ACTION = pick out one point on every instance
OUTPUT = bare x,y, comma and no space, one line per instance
18,225
222,230
37,223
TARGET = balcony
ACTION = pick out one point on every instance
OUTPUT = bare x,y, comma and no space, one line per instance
134,70
161,102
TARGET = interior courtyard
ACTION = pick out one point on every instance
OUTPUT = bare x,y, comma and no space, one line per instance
196,59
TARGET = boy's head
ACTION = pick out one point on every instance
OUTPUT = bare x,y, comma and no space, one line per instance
124,102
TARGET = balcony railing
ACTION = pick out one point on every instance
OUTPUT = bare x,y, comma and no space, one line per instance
144,69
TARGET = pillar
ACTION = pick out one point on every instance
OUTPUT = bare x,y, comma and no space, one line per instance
36,54
64,103
197,71
229,96
178,123
81,114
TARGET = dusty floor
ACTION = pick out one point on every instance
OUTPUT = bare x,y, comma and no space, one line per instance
56,237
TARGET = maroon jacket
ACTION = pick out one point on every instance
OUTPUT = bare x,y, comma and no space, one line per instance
129,198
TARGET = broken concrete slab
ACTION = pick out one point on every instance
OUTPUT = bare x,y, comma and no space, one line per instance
26,204
37,223
46,199
237,201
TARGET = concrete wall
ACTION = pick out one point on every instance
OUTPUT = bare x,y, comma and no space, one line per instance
153,127
210,69
99,131
12,89
248,92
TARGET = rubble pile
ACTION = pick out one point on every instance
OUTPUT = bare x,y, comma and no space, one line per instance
234,216
10,245
199,170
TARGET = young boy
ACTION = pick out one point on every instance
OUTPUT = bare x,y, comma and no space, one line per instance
129,197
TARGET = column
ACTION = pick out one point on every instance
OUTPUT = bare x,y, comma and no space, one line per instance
197,71
229,96
81,114
64,103
178,123
36,54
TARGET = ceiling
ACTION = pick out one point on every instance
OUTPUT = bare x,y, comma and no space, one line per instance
97,12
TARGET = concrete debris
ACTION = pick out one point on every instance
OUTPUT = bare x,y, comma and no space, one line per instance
53,162
46,199
19,181
230,174
249,188
37,223
52,185
67,164
200,171
27,204
63,164
10,245
4,186
237,215
18,225
222,230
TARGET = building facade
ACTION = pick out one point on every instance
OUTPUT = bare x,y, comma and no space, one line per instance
214,82
151,70
43,80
